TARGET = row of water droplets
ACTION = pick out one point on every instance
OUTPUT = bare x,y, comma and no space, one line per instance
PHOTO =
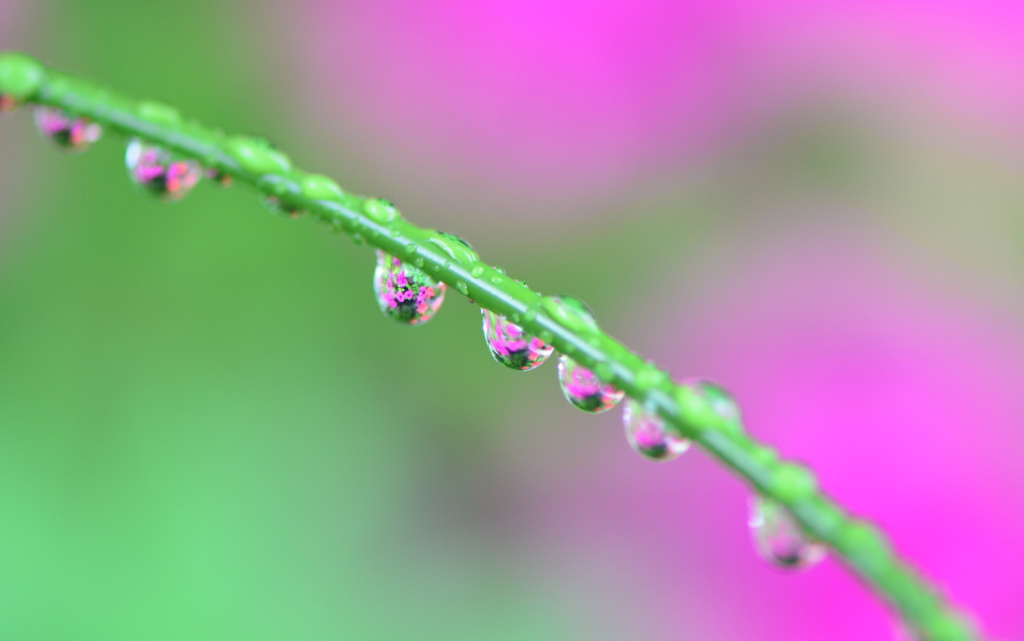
407,293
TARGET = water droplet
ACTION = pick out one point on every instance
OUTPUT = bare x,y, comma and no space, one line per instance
457,239
496,279
570,312
8,103
158,112
405,293
477,272
530,315
648,434
456,248
511,345
223,179
583,389
159,172
320,187
358,239
418,261
72,134
380,210
779,538
411,248
720,400
258,155
20,76
462,287
546,335
500,270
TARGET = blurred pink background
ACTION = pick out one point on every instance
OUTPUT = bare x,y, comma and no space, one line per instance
832,198
871,351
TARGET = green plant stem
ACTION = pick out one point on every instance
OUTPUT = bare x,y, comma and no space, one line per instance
860,545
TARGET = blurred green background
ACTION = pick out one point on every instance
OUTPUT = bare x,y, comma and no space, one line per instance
209,431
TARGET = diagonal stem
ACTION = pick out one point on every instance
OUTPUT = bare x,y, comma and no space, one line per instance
860,545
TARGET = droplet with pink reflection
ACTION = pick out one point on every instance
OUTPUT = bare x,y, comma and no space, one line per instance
159,172
71,134
584,390
649,435
511,345
405,293
780,539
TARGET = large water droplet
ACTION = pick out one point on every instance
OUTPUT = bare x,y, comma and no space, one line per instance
584,390
70,133
779,538
405,293
648,434
159,172
511,345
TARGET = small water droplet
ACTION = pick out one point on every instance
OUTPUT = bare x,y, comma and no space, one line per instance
395,232
223,179
418,261
584,390
511,346
159,172
546,335
530,315
514,317
457,239
500,270
779,538
447,264
477,272
70,133
357,239
411,248
462,287
648,434
21,76
720,400
570,312
405,293
569,348
496,279
380,210
8,103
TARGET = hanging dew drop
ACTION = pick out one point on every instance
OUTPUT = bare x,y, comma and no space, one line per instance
405,293
648,434
779,538
511,346
71,134
156,170
584,390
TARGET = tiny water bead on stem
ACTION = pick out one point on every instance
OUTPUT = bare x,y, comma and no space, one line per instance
159,172
404,292
649,435
71,134
779,538
697,410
